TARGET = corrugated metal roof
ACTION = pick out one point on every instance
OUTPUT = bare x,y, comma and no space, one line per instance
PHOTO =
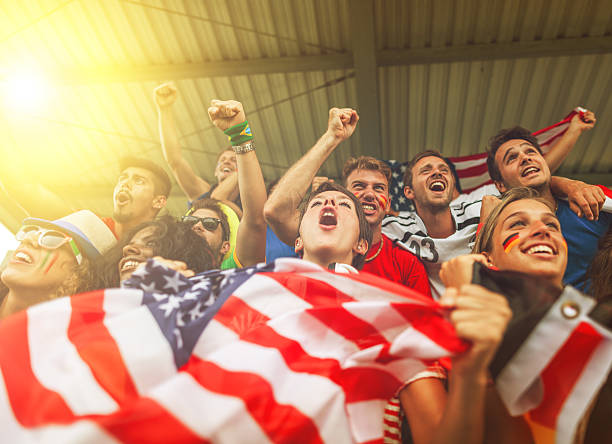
435,98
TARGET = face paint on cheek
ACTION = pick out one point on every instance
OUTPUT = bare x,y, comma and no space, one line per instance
510,242
42,264
55,256
382,200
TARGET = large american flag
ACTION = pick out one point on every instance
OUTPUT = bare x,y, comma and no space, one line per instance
285,352
472,169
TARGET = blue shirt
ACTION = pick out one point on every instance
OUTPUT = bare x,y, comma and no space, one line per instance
276,248
582,236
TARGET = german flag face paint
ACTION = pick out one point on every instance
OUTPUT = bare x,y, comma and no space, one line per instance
382,200
510,242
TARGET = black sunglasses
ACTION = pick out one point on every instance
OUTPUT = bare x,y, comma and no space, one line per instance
209,223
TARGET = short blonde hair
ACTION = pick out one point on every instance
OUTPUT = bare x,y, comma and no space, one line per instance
484,239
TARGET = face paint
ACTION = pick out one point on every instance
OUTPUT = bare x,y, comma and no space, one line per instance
382,199
510,242
42,264
55,256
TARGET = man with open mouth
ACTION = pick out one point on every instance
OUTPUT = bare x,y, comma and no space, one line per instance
141,191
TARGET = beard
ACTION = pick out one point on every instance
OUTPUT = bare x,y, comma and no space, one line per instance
122,217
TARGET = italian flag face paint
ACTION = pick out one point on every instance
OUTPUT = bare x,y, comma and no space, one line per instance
55,256
42,264
510,242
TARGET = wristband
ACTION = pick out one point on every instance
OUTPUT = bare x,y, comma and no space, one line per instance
239,134
244,148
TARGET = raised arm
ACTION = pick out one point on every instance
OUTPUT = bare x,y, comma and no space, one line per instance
229,117
191,184
281,209
560,150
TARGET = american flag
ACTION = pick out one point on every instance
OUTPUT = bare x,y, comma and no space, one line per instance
472,169
284,352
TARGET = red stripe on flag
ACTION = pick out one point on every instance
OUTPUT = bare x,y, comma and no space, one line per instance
353,380
469,190
563,371
97,348
470,157
25,392
143,420
607,191
476,170
281,422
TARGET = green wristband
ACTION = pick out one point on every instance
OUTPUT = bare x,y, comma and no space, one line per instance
239,134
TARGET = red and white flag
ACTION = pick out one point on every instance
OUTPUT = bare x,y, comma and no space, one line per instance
285,352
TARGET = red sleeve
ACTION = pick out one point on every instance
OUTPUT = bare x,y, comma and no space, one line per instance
413,272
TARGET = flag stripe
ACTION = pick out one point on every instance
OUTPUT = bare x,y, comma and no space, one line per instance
24,390
286,422
52,353
580,346
97,348
321,359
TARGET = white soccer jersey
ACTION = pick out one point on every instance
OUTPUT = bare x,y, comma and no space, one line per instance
408,230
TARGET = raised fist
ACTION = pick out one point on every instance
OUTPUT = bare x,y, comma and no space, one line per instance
582,122
165,95
226,113
342,123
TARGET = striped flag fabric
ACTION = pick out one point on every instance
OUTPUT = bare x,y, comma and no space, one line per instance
472,169
285,352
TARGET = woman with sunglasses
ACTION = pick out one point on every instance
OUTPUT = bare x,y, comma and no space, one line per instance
53,259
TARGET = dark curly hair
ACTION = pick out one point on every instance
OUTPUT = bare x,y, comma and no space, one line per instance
171,239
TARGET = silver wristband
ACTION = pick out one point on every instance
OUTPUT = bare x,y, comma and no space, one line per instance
244,148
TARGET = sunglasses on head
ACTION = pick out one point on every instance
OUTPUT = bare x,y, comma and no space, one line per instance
209,223
49,239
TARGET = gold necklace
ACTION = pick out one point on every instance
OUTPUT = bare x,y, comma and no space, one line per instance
382,240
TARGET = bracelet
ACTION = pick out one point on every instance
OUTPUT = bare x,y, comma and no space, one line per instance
244,148
239,134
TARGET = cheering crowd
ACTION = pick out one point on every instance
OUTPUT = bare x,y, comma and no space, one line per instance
530,222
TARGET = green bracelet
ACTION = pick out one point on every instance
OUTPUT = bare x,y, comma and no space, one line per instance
239,134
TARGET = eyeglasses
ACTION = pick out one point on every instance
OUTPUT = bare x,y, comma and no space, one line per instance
49,239
209,223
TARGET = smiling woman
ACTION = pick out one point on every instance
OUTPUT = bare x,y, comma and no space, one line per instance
163,237
53,259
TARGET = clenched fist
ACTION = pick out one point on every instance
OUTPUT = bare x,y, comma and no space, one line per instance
165,95
342,122
226,113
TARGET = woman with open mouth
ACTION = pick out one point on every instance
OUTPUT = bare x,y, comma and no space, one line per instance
53,259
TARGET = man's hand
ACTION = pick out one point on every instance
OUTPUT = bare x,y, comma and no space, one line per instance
585,200
582,122
341,123
165,95
179,266
458,271
488,203
481,317
226,113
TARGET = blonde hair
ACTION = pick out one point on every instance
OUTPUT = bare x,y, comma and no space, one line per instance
484,239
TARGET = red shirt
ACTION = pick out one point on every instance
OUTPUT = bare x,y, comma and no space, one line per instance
398,265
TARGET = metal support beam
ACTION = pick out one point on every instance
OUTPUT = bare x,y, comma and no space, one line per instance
496,51
105,74
364,45
366,74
